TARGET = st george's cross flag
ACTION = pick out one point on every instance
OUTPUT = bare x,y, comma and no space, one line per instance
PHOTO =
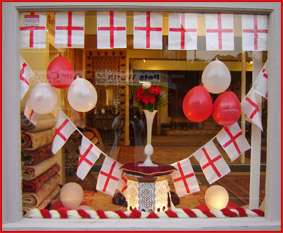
148,30
109,176
219,31
254,32
182,31
89,153
30,114
184,178
25,74
111,30
63,130
250,108
233,141
69,29
212,163
261,82
123,184
32,30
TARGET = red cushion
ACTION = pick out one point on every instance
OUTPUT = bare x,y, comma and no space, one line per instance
161,169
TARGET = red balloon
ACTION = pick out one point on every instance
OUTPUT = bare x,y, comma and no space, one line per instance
60,72
197,104
226,109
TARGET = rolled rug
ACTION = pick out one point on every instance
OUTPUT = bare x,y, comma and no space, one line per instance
45,121
32,157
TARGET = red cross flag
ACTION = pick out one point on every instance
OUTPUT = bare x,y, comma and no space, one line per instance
233,141
148,30
184,178
89,153
69,29
123,184
250,108
30,114
25,74
182,32
111,30
109,176
254,32
212,163
63,130
261,82
33,30
219,31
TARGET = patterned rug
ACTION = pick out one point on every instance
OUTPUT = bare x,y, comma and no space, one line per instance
239,184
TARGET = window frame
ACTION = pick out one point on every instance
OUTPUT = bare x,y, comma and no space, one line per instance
11,167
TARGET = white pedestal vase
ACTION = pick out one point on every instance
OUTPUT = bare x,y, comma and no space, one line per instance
148,150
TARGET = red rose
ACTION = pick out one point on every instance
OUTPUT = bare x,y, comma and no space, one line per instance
155,90
148,99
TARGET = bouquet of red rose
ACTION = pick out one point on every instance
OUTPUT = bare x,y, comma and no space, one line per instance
150,98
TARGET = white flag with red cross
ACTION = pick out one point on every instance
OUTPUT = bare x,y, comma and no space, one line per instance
148,30
254,32
184,178
250,108
63,130
111,30
261,81
32,30
109,176
31,114
219,31
212,163
123,184
182,31
25,74
69,29
233,141
89,153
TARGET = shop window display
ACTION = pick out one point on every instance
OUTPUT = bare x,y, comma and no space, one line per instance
82,124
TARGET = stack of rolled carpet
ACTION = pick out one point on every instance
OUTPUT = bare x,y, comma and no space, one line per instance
40,170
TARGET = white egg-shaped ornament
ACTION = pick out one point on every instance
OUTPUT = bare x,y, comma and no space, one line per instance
82,95
216,77
43,98
216,197
71,195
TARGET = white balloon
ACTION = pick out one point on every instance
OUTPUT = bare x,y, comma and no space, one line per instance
216,77
43,98
216,197
82,95
71,195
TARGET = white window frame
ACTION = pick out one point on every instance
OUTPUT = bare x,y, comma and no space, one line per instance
11,166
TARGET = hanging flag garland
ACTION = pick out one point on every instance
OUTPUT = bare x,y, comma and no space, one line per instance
262,81
25,74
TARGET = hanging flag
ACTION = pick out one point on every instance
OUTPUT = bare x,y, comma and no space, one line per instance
111,30
63,130
233,141
254,32
25,74
123,184
69,29
182,32
109,176
219,31
261,82
251,109
30,114
32,30
212,163
184,178
148,30
89,153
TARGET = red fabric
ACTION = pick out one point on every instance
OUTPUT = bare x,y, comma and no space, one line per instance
101,214
135,214
121,214
63,212
171,214
242,212
259,212
45,213
152,215
190,213
229,213
162,169
56,205
83,213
